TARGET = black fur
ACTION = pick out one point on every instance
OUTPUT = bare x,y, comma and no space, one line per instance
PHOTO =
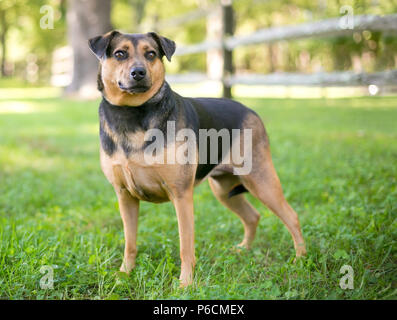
217,114
108,145
167,47
122,120
237,190
200,113
99,45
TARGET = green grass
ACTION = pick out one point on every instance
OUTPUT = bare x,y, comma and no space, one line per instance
337,160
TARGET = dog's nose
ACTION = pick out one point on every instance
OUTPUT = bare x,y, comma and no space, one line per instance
138,73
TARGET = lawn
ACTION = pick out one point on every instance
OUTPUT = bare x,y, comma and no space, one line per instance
337,161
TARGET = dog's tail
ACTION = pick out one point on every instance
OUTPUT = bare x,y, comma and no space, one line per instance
237,190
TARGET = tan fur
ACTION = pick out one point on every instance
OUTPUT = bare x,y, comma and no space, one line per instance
129,209
264,184
113,71
221,186
133,181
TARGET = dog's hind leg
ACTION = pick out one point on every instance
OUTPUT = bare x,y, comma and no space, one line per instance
264,184
221,187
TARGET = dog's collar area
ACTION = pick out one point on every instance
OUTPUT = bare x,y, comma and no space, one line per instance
160,94
155,99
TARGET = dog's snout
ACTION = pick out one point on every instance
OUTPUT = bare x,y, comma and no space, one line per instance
138,73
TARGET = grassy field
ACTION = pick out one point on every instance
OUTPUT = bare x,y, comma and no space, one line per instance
337,160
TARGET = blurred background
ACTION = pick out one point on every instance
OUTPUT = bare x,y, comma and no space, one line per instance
289,48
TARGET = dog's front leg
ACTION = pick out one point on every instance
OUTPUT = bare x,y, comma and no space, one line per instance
129,207
184,211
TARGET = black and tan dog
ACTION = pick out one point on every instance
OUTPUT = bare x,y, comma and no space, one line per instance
136,98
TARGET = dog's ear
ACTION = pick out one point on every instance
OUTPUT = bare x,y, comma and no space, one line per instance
166,46
99,45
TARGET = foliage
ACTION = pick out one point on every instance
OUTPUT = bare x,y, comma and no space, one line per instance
336,160
376,51
25,37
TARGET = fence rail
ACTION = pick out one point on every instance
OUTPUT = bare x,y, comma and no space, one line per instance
324,28
317,79
334,79
184,18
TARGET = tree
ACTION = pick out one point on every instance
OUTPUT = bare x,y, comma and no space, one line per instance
3,34
7,9
85,19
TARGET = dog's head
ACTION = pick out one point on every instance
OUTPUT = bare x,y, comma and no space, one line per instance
131,68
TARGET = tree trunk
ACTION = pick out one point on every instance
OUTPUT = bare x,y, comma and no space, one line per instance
85,19
3,34
228,30
272,57
139,11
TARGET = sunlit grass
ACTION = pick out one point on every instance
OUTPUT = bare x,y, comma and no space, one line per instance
29,93
337,163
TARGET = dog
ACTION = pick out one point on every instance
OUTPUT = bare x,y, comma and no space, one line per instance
136,99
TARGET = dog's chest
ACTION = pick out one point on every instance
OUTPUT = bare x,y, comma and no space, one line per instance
144,180
131,173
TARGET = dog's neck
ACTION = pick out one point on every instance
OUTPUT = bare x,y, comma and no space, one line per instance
154,113
164,91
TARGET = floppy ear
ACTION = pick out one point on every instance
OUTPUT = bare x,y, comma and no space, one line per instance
98,45
166,46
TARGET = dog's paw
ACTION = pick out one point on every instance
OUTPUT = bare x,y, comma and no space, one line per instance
185,279
301,250
184,283
241,247
126,266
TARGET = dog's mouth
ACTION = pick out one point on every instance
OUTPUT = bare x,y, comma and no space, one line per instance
134,89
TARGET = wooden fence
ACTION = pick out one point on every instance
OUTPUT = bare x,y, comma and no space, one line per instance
325,28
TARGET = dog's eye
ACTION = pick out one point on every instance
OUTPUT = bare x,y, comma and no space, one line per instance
120,54
150,55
